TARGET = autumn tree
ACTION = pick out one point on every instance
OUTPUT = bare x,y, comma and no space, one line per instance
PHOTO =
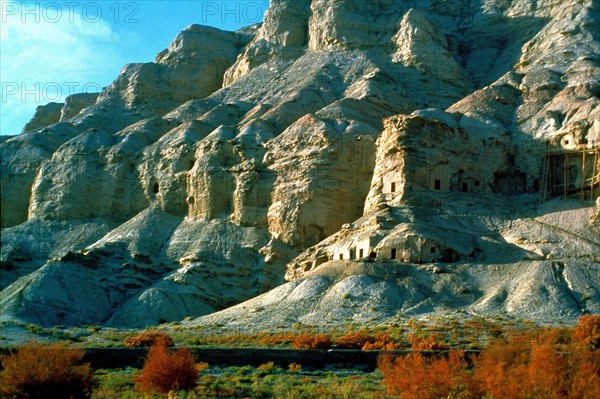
41,371
165,371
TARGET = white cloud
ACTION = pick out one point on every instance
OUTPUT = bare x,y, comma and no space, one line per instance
46,55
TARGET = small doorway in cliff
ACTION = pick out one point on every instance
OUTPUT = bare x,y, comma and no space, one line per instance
465,187
393,253
437,184
393,187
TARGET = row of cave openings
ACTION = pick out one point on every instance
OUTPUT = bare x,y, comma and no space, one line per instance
427,251
564,172
465,186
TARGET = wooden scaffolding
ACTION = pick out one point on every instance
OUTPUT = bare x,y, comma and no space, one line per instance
568,172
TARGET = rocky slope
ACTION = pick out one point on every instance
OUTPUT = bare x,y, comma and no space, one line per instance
409,132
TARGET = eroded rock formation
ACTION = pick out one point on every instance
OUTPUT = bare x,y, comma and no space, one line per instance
412,131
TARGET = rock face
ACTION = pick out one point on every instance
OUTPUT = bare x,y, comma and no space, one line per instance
75,103
461,133
429,151
382,293
45,115
284,30
192,67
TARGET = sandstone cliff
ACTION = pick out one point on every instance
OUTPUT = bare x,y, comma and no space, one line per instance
410,131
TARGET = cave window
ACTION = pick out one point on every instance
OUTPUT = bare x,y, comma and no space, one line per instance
341,256
155,188
437,184
393,254
393,187
566,142
361,253
465,187
432,250
477,183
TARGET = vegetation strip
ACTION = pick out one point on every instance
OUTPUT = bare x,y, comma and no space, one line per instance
547,362
112,358
120,358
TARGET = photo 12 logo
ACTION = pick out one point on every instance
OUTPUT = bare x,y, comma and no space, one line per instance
249,12
45,92
71,11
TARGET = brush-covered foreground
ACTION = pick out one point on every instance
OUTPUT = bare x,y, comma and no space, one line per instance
450,332
553,363
539,362
265,381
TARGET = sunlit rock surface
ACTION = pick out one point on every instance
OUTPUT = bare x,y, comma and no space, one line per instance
388,152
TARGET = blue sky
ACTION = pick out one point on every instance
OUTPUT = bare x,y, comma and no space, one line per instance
51,49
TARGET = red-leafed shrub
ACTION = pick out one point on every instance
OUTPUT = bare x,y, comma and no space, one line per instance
541,363
147,339
415,377
354,340
382,346
546,372
426,342
165,371
382,342
538,365
501,369
584,359
587,331
45,371
312,341
585,382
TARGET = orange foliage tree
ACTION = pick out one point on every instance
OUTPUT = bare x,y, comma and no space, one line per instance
382,341
416,377
45,371
165,371
501,369
587,331
431,342
312,341
585,382
552,363
147,339
354,340
585,359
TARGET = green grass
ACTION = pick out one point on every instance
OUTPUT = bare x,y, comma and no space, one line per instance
455,333
266,381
